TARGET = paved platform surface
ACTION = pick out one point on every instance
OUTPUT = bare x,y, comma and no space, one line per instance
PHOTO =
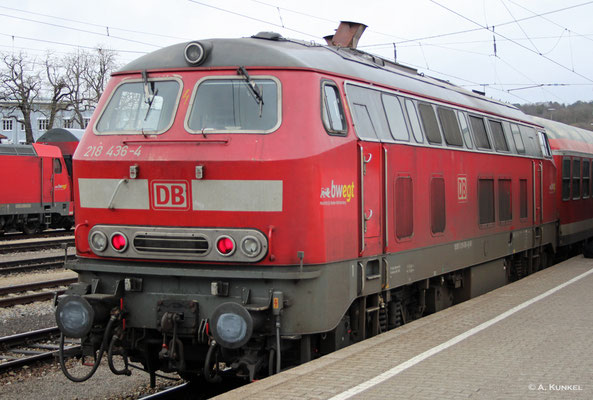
532,339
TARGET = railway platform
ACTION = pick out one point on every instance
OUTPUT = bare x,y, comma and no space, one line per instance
531,339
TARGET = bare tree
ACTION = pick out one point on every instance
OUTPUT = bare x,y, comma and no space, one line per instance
86,76
76,65
102,65
75,82
20,85
55,75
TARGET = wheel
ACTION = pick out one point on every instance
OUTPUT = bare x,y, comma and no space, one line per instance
67,224
30,228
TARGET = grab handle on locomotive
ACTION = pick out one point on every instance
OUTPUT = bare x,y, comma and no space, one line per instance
366,219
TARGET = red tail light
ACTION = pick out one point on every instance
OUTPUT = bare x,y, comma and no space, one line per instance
119,242
225,245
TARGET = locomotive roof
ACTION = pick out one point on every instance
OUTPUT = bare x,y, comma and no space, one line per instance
567,137
268,49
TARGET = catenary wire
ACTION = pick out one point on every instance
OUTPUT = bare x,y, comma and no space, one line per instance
517,43
478,29
93,24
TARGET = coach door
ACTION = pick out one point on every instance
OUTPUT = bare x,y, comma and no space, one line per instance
371,194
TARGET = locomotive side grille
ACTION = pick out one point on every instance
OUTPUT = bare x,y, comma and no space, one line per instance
180,244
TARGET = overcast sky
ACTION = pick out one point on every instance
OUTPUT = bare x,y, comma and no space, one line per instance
537,58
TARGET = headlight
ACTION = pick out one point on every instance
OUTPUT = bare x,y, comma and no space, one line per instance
74,316
232,325
98,241
194,53
250,246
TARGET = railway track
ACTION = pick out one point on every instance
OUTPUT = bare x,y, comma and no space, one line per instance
30,298
35,245
176,392
29,347
6,236
26,265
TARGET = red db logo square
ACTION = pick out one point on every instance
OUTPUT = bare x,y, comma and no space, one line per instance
170,195
461,188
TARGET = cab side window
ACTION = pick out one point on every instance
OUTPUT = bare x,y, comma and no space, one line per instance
332,110
57,166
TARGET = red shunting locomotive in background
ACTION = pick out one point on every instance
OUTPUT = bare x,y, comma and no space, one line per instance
36,189
249,204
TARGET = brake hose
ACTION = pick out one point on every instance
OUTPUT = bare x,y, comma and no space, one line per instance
104,344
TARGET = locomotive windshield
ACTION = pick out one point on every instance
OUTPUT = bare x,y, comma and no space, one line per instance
228,105
128,110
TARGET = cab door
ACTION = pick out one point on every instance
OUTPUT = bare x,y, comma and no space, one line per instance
371,188
47,180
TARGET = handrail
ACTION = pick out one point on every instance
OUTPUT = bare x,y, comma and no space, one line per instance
198,141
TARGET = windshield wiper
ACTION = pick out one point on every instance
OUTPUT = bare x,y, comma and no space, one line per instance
149,95
255,90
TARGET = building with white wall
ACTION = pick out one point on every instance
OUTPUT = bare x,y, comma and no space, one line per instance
14,131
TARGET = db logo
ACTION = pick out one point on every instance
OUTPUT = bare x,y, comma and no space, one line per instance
170,195
461,188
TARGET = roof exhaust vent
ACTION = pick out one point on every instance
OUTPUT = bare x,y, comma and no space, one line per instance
347,35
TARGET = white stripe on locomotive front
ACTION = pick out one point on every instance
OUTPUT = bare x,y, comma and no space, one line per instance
207,195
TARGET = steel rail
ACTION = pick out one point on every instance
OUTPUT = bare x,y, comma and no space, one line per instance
8,344
51,243
29,298
174,392
33,263
4,290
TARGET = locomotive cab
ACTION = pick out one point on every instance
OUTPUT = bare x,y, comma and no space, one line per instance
198,209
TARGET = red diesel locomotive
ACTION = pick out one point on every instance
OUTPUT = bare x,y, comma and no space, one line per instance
248,204
36,189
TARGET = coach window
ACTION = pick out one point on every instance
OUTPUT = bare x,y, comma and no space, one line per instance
404,207
576,178
523,199
450,126
395,117
566,178
505,204
518,139
414,122
438,213
586,177
465,130
332,110
486,201
429,121
480,135
500,142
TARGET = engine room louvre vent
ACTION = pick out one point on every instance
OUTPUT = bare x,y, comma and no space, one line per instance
179,244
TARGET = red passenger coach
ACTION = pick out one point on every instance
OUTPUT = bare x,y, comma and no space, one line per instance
573,153
248,204
36,188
